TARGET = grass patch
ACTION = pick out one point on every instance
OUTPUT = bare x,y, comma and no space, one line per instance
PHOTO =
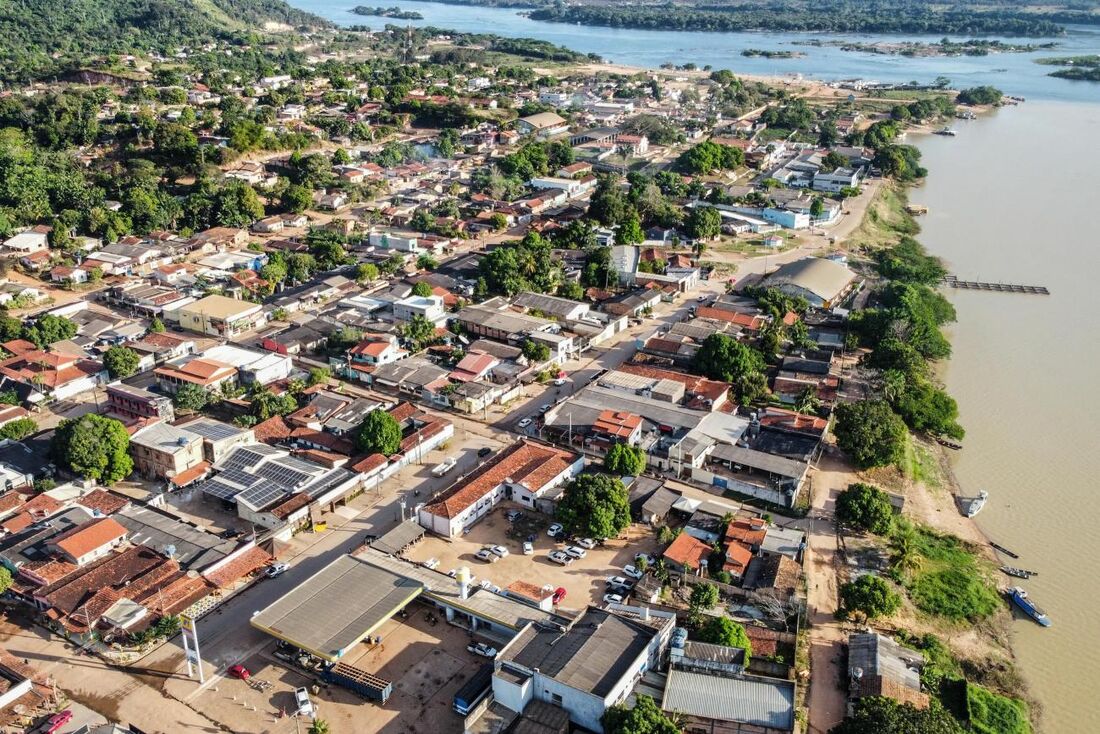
770,134
942,575
886,219
921,465
991,713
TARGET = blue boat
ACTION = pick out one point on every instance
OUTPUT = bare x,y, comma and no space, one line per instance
1020,598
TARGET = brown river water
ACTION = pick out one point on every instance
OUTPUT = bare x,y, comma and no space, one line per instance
1015,198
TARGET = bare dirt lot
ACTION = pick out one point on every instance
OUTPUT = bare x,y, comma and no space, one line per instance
584,579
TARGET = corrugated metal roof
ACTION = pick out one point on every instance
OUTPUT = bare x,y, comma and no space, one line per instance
747,700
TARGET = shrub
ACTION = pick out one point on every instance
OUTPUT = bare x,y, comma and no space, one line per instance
866,507
870,595
994,714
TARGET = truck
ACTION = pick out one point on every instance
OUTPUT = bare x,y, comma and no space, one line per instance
474,691
442,468
358,681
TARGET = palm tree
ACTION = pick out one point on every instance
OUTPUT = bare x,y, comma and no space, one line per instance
319,726
907,560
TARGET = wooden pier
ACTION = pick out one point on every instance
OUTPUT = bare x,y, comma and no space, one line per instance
953,282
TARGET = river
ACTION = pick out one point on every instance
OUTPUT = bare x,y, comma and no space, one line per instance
1011,199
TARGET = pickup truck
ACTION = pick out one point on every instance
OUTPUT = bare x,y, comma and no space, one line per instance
442,468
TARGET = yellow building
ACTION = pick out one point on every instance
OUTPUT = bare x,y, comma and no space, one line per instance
221,316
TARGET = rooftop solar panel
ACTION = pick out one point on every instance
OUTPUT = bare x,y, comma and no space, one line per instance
213,430
214,488
262,494
283,475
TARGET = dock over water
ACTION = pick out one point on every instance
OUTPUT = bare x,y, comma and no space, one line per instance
976,285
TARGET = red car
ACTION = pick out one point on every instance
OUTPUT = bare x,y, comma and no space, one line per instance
239,671
559,594
58,720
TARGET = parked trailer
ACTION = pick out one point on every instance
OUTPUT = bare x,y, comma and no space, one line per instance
475,690
360,681
441,469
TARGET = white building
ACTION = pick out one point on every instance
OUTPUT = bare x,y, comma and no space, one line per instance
261,367
430,307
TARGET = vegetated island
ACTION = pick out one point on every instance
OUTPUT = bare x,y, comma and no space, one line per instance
394,12
971,47
1077,68
765,54
837,16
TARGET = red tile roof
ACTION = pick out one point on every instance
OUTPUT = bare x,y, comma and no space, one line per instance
527,590
694,385
230,572
688,551
369,464
185,477
748,532
531,464
87,537
618,424
737,557
752,323
104,502
273,430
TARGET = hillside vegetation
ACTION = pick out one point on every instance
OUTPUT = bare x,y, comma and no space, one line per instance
48,36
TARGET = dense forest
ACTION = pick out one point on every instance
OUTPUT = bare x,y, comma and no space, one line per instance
843,16
48,36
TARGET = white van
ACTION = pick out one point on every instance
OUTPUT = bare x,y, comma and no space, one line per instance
443,468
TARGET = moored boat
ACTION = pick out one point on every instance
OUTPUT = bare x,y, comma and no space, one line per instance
1004,550
1020,598
946,131
975,505
1019,573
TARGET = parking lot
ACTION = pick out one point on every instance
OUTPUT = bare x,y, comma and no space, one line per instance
584,580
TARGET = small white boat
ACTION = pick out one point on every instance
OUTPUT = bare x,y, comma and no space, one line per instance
975,505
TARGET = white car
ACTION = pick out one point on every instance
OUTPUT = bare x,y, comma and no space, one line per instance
558,557
499,550
559,382
632,572
618,581
431,564
587,543
554,529
305,706
528,549
612,599
480,648
544,408
576,552
486,555
649,560
276,569
524,423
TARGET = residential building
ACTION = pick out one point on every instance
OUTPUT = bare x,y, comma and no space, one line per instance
524,472
687,555
135,403
205,373
52,375
88,541
221,316
836,181
428,307
164,451
879,666
585,668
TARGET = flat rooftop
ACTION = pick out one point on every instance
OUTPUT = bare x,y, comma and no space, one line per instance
333,610
757,701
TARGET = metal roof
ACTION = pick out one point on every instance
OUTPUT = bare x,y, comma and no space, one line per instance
778,465
758,701
333,610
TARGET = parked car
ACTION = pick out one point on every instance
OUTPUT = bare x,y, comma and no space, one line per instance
513,515
576,552
431,564
528,548
558,557
499,550
632,572
559,594
559,382
301,698
544,408
524,423
58,720
554,530
480,648
587,543
649,560
618,581
486,555
490,586
612,599
239,671
484,451
276,569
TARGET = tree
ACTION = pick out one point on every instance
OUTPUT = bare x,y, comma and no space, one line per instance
366,273
266,404
18,429
625,460
156,326
319,375
703,597
708,156
594,506
121,361
49,329
867,507
724,631
535,351
870,432
980,95
630,230
419,332
93,447
296,198
427,262
379,433
608,205
881,715
191,397
645,718
723,358
5,579
703,223
422,289
869,595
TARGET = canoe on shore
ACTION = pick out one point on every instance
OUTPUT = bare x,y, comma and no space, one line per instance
1019,573
1002,549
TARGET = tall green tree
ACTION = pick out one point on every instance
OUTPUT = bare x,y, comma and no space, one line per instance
724,631
867,507
191,397
594,506
645,718
625,460
870,432
93,447
871,596
881,715
379,433
121,361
